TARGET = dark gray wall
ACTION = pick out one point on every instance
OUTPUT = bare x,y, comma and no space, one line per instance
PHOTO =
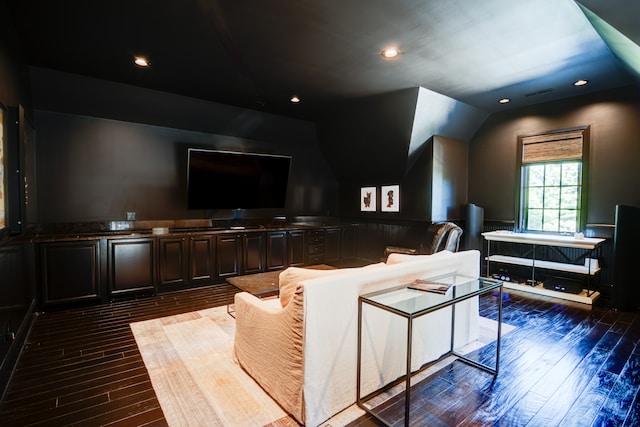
95,169
105,148
15,96
367,139
614,161
14,82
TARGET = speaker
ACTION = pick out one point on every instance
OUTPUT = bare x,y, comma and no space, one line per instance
474,223
626,237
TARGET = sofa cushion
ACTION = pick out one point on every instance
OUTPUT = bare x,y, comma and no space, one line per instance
290,278
397,258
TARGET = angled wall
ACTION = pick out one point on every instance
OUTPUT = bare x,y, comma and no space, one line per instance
387,140
436,114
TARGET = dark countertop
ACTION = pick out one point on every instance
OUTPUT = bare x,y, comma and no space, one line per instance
69,235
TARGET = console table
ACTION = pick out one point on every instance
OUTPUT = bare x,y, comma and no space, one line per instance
412,304
588,269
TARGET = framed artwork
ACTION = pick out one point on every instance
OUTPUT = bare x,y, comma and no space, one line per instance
3,165
368,199
390,198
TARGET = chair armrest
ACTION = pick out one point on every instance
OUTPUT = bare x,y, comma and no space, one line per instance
398,250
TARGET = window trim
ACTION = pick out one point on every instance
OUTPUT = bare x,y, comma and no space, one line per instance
520,205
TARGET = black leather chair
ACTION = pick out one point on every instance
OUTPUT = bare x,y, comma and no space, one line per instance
440,236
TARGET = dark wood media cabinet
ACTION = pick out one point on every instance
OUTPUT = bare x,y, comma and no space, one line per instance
98,268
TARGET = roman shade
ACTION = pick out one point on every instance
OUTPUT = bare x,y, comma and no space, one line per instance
552,147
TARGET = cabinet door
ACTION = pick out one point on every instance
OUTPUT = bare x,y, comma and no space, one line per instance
229,255
202,259
131,265
276,250
333,245
15,282
297,245
173,261
254,253
70,272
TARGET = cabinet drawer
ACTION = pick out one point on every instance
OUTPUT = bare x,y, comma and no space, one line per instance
316,259
316,249
316,237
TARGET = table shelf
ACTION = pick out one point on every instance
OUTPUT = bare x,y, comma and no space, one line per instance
584,297
589,243
549,265
558,241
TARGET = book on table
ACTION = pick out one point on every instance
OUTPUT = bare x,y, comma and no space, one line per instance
430,286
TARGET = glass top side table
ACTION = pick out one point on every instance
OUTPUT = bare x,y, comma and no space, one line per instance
411,304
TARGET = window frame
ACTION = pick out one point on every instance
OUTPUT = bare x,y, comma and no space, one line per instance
520,199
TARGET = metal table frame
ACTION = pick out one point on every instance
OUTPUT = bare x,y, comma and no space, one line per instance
410,316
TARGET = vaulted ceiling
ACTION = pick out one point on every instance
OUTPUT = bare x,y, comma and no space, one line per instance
258,53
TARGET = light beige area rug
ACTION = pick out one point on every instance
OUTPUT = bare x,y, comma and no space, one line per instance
198,382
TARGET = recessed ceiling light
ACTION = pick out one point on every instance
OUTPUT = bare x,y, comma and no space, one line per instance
504,101
581,83
141,61
390,52
295,99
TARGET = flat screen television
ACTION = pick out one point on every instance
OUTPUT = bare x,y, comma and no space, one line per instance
233,180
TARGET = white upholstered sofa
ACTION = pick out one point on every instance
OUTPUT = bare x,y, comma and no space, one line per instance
302,347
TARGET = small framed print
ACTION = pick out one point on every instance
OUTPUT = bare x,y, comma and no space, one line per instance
368,199
390,198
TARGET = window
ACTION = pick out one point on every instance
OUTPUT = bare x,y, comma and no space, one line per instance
552,168
552,196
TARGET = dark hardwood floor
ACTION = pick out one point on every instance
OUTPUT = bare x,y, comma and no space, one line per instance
565,364
82,366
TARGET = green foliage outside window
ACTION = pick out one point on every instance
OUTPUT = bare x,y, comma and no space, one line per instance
552,192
